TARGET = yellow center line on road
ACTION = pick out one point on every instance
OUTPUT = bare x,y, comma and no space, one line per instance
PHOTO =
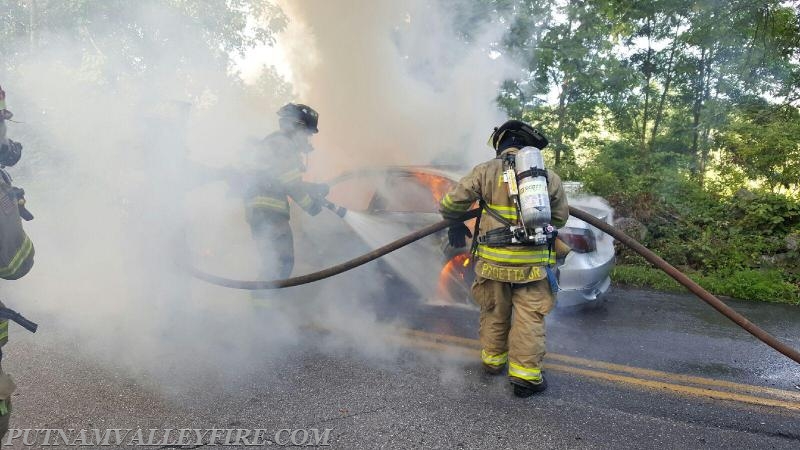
649,373
652,379
675,377
678,388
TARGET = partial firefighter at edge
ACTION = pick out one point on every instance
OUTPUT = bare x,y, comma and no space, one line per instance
16,250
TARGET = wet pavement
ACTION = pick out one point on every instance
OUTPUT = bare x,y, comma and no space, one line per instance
647,370
670,332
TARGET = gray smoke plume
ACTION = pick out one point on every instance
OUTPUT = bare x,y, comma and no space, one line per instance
119,169
394,82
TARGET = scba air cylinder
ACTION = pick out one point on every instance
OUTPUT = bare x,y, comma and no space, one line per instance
534,200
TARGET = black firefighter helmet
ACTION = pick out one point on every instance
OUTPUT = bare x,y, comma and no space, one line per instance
299,114
517,134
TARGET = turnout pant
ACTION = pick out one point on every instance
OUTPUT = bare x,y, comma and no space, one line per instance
275,244
7,386
512,324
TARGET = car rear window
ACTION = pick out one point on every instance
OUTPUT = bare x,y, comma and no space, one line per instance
410,192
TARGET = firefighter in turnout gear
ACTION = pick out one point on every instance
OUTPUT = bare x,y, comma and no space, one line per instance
514,284
273,174
16,250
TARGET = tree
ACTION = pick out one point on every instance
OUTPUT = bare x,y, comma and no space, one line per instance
762,140
691,62
566,50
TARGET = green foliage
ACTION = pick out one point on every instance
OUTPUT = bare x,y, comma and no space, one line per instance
761,285
762,139
766,212
643,276
757,285
569,55
676,77
734,245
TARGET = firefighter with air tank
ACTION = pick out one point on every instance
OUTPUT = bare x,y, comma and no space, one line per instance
522,206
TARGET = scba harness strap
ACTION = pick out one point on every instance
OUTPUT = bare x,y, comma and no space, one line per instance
534,172
509,161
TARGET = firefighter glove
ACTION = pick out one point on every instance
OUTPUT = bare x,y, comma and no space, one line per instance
318,190
457,235
316,206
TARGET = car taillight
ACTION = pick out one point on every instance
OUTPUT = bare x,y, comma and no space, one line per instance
580,240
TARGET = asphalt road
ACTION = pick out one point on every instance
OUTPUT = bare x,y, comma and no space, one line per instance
648,370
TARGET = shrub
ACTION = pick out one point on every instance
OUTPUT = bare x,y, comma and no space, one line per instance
733,244
759,285
762,285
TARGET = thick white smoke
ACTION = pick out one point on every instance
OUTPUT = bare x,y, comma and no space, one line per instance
393,82
115,170
118,171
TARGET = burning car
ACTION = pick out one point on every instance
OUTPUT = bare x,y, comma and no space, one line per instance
387,203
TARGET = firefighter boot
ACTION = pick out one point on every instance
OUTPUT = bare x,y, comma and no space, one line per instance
524,388
491,369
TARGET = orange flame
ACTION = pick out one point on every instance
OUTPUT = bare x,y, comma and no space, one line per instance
438,185
455,272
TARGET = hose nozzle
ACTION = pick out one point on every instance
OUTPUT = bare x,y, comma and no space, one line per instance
339,210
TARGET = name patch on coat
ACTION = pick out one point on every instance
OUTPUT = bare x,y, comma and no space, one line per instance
509,274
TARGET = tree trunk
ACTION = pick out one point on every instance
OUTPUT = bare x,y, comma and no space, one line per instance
667,83
648,72
562,110
704,147
562,114
699,90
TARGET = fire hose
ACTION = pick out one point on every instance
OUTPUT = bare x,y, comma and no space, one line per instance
337,269
651,257
695,288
